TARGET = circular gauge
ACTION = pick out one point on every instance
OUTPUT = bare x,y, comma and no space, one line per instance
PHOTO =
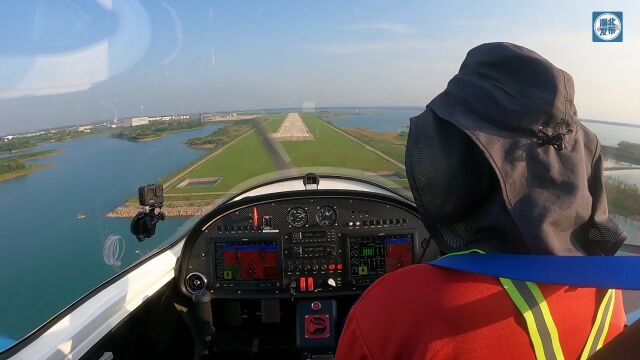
297,217
326,216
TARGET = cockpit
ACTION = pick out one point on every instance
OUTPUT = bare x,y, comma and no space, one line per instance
271,273
283,269
299,156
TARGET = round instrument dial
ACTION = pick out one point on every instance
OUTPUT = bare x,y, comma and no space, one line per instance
297,217
326,216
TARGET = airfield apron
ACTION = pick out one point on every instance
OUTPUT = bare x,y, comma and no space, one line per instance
542,330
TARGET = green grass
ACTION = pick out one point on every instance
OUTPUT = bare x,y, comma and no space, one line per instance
332,149
623,198
223,135
389,143
248,158
273,122
239,162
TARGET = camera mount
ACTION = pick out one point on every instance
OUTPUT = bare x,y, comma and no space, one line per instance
143,224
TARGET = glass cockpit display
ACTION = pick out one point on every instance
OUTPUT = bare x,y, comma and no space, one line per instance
246,261
374,256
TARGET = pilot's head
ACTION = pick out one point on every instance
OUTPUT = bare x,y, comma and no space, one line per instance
500,161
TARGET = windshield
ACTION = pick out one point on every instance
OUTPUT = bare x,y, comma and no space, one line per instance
100,97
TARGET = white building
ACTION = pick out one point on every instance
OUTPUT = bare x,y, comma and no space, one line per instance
135,121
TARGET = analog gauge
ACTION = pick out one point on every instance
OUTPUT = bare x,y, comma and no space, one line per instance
297,217
326,216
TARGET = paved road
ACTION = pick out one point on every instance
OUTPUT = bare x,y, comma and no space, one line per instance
293,127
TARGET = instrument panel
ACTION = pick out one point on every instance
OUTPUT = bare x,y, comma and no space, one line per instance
303,246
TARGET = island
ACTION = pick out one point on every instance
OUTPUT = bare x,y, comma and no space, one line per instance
156,129
223,135
626,151
19,143
15,166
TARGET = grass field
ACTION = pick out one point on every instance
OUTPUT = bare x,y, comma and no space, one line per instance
332,149
248,158
273,122
390,143
239,162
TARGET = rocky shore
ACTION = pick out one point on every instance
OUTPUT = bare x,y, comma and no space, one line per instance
176,210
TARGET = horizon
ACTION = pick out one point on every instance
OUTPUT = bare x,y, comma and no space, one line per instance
606,122
67,63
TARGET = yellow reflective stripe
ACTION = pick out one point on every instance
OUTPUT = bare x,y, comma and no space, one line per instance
515,296
612,294
598,331
604,311
551,325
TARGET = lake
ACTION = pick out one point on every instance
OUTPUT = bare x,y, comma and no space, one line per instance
51,257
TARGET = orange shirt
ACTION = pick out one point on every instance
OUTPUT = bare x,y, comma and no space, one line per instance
427,312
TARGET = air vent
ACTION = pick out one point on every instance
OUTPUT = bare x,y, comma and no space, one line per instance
195,282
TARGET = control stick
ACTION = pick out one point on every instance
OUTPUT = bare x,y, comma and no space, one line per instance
203,317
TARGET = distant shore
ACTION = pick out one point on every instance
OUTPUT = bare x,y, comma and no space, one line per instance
156,130
18,160
613,123
23,172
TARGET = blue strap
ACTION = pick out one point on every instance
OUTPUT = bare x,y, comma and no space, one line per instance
608,272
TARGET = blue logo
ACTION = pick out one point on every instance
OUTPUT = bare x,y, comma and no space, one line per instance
607,26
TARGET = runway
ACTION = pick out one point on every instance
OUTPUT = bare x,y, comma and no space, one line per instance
293,129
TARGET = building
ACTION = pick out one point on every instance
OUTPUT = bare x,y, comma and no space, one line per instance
208,117
135,121
85,128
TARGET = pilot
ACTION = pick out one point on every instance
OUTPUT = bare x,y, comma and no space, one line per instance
497,163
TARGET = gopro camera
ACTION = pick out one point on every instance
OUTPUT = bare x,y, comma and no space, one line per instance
151,195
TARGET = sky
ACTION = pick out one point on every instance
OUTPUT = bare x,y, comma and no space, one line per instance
68,62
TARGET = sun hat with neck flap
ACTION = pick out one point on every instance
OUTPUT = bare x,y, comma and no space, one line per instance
500,160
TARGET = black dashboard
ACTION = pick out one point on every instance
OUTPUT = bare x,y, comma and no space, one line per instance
301,244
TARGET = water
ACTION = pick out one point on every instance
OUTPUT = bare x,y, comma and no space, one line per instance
379,119
611,135
50,257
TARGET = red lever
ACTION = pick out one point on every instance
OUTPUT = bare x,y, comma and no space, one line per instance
310,283
303,284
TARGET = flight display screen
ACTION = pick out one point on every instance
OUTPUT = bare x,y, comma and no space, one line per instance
246,261
374,256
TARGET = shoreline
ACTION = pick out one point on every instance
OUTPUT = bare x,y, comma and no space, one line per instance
159,136
188,209
177,208
23,172
30,168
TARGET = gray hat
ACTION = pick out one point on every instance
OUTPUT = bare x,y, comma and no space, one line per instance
499,159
